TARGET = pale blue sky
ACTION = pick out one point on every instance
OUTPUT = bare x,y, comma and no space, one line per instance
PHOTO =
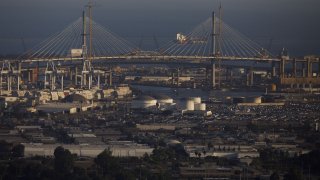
291,23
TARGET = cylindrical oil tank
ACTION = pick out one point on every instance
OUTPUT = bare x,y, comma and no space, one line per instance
163,99
273,87
143,102
190,105
254,99
197,100
200,107
237,100
197,106
203,107
258,100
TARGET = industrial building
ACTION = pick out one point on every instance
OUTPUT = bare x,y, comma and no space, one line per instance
118,149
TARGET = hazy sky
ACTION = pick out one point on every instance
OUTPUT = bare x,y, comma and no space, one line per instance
291,23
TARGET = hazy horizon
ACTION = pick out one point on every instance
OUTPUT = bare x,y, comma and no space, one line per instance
290,23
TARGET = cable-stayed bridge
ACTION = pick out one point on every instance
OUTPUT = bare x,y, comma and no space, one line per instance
86,41
198,44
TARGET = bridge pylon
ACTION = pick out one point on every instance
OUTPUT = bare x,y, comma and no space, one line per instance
213,51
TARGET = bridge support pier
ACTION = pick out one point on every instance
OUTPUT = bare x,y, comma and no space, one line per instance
98,83
86,74
250,76
29,75
294,68
303,70
70,74
76,76
213,74
178,76
273,73
309,68
110,77
282,68
318,67
62,85
172,79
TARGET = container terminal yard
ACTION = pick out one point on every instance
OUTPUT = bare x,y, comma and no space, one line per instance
210,105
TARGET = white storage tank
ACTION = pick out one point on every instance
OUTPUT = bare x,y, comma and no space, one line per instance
190,105
203,107
163,99
254,99
197,100
197,106
200,107
143,102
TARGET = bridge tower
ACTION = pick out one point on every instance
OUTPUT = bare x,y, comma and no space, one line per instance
88,71
86,74
213,51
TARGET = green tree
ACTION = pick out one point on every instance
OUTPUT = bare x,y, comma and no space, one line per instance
107,164
275,176
5,150
63,161
293,174
18,150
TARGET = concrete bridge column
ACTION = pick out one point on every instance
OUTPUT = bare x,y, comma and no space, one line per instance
178,76
105,78
250,76
90,81
294,66
98,83
45,81
172,79
247,71
303,69
310,87
62,83
231,76
282,68
75,75
273,73
318,68
9,82
29,75
71,74
110,78
207,75
84,79
309,67
213,74
18,83
52,80
1,84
